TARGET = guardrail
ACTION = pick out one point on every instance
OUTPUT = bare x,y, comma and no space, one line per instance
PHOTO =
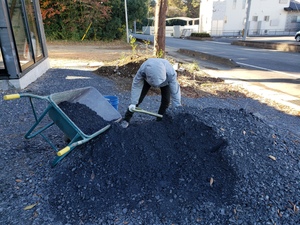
252,33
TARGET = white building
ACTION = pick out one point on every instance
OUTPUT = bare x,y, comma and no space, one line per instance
265,17
293,17
228,18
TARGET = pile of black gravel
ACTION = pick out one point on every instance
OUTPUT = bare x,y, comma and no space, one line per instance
209,167
215,161
155,166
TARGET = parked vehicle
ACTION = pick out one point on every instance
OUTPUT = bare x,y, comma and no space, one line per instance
297,36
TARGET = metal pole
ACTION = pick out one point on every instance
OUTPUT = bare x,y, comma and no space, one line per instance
127,36
247,20
199,28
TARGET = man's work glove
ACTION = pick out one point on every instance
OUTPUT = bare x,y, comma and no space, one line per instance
131,108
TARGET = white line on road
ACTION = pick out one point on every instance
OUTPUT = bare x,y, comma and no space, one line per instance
275,71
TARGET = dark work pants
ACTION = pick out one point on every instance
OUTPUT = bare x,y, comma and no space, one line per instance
164,104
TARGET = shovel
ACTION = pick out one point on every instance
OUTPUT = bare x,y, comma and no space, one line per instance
125,124
147,112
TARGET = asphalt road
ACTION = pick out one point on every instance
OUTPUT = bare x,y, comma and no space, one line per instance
268,72
264,59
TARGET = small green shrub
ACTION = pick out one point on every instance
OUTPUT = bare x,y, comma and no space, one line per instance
160,54
203,35
133,44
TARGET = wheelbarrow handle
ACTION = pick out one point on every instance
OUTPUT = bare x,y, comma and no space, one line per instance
11,97
16,96
147,112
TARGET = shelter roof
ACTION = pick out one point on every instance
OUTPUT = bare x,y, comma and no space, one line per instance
182,18
294,6
177,18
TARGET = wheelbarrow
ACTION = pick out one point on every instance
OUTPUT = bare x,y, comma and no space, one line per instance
88,97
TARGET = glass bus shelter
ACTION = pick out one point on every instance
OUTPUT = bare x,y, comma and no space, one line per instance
23,55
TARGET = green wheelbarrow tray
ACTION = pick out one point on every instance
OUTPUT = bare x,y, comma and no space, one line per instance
87,96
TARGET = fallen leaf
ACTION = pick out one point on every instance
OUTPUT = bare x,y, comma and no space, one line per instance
92,175
35,214
18,180
295,208
272,157
211,181
279,213
30,206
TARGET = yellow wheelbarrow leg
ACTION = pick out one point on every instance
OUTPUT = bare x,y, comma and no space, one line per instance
63,151
57,159
66,150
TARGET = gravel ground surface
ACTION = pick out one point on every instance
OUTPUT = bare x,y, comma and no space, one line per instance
214,161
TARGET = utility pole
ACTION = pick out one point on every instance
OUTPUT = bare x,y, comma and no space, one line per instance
199,26
247,20
160,28
127,36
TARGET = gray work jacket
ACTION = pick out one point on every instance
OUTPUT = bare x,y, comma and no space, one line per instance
158,73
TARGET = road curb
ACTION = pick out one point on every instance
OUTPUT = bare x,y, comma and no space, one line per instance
269,45
208,57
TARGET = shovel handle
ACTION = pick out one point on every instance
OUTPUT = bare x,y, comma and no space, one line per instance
147,112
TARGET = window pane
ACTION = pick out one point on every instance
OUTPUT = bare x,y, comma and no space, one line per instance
267,18
19,29
234,4
244,4
36,42
27,38
1,61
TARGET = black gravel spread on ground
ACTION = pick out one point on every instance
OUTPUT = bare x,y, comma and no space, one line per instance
213,161
165,165
86,119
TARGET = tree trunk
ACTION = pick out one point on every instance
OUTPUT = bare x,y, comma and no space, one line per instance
160,28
